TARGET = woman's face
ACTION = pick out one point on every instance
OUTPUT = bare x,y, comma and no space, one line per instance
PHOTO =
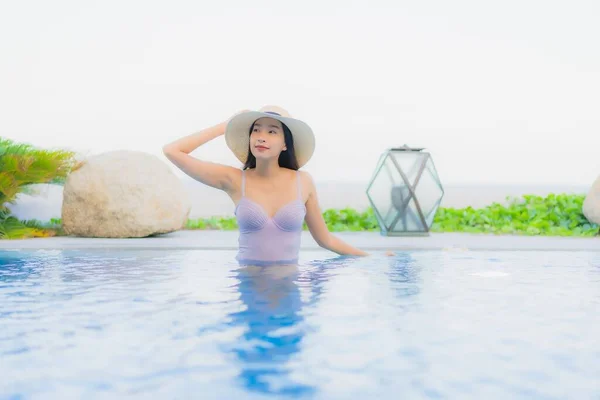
267,139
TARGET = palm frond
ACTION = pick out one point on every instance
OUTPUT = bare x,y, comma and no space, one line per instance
22,165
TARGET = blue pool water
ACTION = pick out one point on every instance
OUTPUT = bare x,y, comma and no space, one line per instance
171,324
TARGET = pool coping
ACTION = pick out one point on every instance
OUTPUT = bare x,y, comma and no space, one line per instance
368,241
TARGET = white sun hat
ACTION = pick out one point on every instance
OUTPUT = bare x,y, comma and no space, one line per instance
237,133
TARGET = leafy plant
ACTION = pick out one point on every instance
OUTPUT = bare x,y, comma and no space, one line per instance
22,165
556,215
219,223
348,219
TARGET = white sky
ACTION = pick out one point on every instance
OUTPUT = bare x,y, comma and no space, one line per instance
498,92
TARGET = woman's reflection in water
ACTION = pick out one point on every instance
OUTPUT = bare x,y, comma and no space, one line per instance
274,321
273,327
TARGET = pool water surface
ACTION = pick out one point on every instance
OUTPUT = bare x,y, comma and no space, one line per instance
193,324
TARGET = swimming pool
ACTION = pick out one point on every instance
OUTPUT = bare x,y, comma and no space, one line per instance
193,324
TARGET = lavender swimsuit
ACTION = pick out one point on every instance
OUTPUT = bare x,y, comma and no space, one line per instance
264,240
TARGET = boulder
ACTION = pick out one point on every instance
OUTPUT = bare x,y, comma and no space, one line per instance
123,194
591,204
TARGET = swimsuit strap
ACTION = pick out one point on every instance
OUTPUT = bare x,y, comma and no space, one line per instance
299,185
243,182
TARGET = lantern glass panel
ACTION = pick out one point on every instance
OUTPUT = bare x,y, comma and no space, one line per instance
409,163
429,192
405,217
387,177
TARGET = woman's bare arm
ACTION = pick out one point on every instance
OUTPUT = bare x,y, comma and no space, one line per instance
318,228
212,174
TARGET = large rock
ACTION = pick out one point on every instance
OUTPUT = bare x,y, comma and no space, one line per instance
591,204
122,194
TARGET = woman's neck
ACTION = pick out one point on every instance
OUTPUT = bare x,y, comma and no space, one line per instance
267,169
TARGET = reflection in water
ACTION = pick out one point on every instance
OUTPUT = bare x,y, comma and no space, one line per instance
15,267
404,275
274,322
273,327
91,266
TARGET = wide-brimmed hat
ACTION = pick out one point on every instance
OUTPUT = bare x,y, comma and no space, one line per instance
237,133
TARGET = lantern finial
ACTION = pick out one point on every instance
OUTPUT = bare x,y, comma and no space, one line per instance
406,147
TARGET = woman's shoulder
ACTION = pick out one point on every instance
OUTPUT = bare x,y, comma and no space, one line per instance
305,176
307,181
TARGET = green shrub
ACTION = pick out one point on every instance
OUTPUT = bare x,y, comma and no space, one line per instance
22,165
219,223
555,215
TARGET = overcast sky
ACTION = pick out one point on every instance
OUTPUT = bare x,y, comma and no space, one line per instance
498,92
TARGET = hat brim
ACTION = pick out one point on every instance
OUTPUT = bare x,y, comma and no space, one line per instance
237,135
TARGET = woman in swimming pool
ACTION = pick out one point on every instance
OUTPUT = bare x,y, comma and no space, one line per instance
273,198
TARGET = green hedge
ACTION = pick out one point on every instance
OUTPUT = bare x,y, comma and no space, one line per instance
553,215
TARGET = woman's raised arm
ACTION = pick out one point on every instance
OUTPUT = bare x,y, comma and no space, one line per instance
212,174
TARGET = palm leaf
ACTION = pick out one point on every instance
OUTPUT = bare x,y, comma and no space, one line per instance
22,165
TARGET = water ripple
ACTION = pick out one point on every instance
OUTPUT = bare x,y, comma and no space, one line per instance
424,324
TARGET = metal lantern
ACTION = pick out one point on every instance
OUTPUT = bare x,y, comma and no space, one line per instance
405,192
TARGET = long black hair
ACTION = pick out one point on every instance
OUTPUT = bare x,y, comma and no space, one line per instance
287,158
